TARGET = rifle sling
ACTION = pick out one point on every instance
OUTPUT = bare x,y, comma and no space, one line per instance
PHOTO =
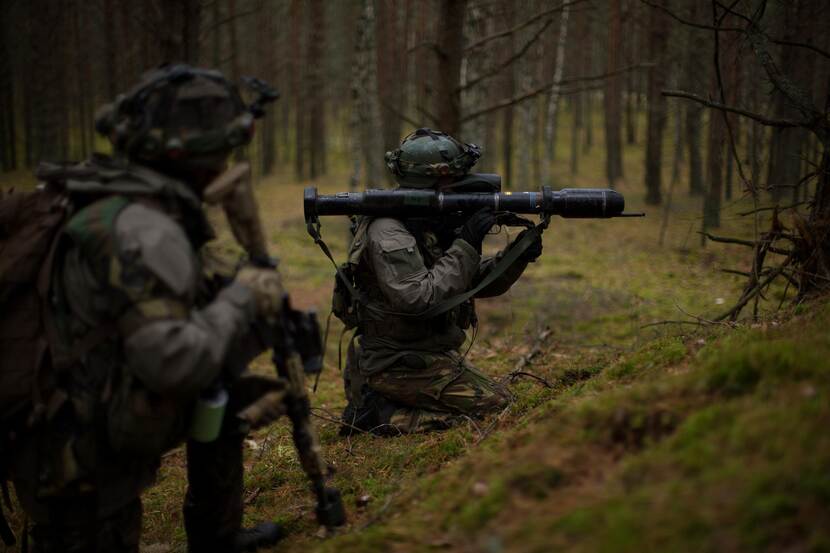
450,303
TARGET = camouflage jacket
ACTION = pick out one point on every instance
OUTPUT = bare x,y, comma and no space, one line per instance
407,273
128,278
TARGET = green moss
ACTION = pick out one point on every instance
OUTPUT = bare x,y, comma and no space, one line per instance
741,362
657,355
478,511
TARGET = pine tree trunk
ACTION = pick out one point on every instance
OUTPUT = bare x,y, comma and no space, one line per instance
587,68
449,46
8,140
658,38
266,36
553,98
613,138
509,88
296,16
315,90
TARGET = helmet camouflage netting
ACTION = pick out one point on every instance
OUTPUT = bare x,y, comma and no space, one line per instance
426,155
177,111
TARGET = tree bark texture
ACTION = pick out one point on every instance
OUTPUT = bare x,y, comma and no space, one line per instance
612,100
48,77
656,123
726,58
786,144
365,122
448,52
316,90
509,88
551,111
297,92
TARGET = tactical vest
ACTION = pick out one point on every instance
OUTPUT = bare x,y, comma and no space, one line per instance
365,311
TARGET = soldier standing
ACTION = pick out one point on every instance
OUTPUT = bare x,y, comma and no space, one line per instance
404,372
141,336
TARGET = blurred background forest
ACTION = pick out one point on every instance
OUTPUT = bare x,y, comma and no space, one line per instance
553,91
518,77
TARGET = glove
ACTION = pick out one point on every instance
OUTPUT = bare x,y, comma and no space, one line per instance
533,251
266,286
477,227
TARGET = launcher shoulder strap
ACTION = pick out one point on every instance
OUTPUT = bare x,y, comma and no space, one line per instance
513,254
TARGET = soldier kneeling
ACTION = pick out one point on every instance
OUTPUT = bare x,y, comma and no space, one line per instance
404,372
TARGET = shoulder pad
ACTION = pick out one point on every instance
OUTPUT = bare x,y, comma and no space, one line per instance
390,235
385,227
360,239
150,240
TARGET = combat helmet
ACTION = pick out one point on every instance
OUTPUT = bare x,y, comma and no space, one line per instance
179,114
426,156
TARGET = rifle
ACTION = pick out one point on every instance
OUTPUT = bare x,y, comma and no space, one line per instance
295,341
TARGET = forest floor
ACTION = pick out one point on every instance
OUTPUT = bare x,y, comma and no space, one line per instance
628,436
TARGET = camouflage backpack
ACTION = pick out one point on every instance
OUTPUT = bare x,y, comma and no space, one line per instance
29,224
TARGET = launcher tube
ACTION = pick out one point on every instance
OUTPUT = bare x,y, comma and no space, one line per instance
568,202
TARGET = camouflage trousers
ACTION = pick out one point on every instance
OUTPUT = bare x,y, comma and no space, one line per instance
421,393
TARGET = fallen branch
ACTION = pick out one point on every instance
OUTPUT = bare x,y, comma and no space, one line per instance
672,322
525,360
516,374
740,242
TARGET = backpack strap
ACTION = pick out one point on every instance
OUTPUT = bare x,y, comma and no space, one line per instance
6,533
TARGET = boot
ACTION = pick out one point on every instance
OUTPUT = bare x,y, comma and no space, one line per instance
265,534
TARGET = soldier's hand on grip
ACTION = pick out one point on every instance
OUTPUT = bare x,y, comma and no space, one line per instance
477,227
534,250
266,286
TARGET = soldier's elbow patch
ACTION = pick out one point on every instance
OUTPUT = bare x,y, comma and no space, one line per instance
401,256
152,246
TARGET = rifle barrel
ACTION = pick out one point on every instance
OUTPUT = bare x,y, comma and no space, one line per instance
568,202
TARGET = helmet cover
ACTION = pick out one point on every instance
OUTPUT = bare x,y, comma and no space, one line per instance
425,156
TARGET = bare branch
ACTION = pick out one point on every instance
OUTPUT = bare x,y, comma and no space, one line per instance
741,242
764,120
544,88
402,116
704,26
498,69
526,23
736,272
773,207
226,20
